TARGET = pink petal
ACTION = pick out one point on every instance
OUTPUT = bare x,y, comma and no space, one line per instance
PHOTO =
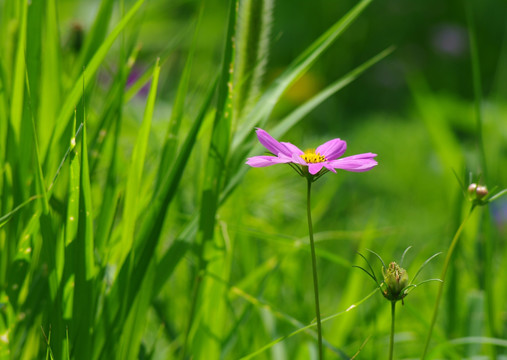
332,149
328,166
266,160
260,161
361,156
293,148
296,159
355,163
315,168
271,144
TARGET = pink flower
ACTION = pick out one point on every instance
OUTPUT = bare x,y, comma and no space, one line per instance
325,156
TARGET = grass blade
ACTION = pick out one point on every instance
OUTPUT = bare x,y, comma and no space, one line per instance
84,292
135,172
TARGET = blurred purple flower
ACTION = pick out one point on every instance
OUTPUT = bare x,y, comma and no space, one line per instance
134,75
325,156
450,40
499,209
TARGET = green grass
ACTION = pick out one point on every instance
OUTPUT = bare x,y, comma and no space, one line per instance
131,228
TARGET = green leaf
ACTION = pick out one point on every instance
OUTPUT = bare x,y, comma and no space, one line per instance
130,209
84,291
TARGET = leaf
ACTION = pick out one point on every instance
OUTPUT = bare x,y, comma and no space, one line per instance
84,291
130,209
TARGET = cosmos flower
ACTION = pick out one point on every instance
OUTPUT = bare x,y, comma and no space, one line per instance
324,156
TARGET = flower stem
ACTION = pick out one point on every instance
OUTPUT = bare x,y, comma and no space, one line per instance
442,277
314,266
391,342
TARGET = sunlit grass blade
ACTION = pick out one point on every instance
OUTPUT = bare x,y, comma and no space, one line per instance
84,289
71,220
130,209
132,331
50,84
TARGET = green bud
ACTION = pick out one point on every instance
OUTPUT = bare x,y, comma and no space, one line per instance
395,280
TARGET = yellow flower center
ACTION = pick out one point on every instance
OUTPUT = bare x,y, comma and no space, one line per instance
311,157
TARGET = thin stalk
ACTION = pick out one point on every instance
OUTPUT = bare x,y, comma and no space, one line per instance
476,79
391,342
314,266
442,277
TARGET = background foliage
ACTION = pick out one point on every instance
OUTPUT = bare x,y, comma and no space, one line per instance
131,228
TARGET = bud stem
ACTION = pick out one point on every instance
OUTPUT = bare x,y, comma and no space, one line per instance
442,277
314,266
391,342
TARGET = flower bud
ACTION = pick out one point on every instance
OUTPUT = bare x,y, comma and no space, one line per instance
481,191
472,188
395,280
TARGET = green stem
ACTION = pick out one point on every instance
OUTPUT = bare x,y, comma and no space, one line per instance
314,266
391,342
442,277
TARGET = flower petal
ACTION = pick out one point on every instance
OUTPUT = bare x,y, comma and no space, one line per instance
293,148
265,160
315,168
271,143
260,161
328,166
355,163
296,159
332,149
361,156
